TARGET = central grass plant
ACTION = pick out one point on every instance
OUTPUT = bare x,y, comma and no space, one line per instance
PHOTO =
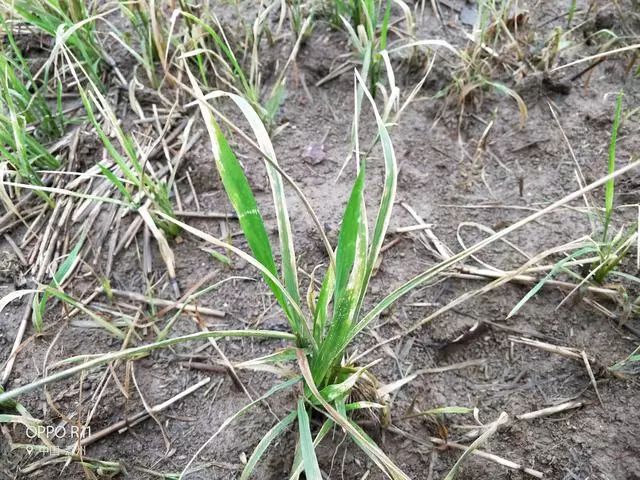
334,318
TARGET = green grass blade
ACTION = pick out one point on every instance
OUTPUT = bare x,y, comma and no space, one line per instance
67,266
58,278
289,268
59,294
297,466
631,359
350,264
223,44
8,405
321,312
307,449
262,446
117,182
243,201
384,29
364,405
279,356
249,259
348,238
274,102
609,188
31,423
88,100
339,391
353,35
388,192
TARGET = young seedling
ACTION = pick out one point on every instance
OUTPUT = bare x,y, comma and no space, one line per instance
571,13
630,364
150,35
297,14
367,23
607,250
26,120
55,17
212,51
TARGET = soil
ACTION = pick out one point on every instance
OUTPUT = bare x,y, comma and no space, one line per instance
521,169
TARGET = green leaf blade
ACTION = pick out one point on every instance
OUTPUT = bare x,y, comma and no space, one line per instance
262,446
309,460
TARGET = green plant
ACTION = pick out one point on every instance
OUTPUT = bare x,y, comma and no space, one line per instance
611,167
28,96
612,249
593,261
137,180
68,19
629,364
26,120
571,12
212,51
150,36
297,11
54,289
333,318
367,22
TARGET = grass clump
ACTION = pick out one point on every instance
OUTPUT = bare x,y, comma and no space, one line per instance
595,261
68,18
149,34
367,22
131,176
211,50
343,288
612,248
334,315
27,122
493,48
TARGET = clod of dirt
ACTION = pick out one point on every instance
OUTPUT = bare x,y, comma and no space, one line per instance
597,116
314,153
554,85
10,268
331,230
605,20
